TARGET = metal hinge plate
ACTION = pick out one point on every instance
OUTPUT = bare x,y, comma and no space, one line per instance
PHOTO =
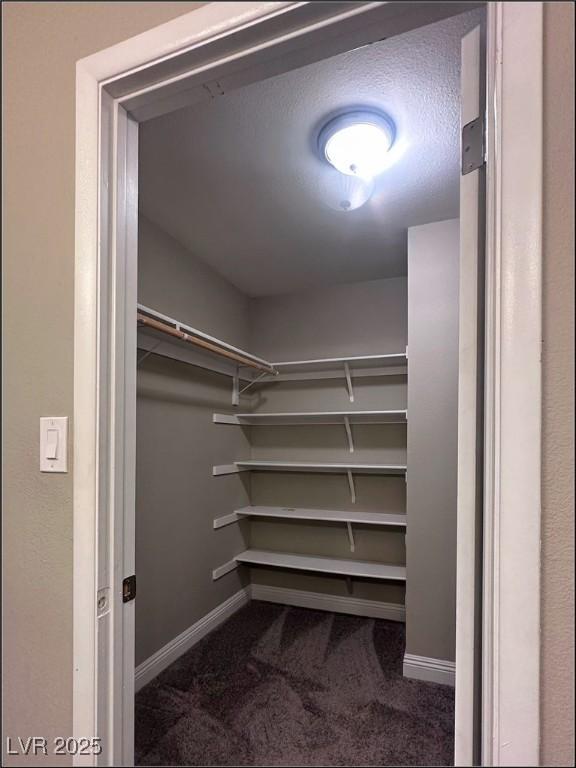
128,589
472,146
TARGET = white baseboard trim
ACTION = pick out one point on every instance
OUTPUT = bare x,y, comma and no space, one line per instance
321,602
168,654
158,662
429,669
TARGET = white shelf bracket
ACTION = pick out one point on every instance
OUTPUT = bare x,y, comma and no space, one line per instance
349,382
351,536
349,433
352,486
253,382
236,387
147,354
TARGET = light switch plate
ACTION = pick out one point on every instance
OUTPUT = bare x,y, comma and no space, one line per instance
54,444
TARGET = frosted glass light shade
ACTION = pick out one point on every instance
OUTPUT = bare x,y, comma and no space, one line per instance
343,192
356,143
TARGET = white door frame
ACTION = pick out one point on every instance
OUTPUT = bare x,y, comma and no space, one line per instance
164,68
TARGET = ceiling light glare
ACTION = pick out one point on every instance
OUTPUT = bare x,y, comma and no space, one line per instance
357,143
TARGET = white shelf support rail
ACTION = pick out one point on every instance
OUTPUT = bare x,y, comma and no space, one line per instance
222,570
349,382
349,434
352,486
226,469
220,522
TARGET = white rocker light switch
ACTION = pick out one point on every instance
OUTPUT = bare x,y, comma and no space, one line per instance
54,444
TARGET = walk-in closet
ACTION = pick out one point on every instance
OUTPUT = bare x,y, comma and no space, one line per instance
297,420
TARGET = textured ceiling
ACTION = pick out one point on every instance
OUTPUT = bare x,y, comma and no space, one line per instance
238,182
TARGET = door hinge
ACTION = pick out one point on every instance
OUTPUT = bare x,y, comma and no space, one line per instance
473,144
128,589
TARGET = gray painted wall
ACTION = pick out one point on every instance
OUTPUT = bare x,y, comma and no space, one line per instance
173,281
557,585
176,496
354,319
433,259
41,44
351,319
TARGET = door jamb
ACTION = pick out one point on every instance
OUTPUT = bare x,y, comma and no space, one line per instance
513,374
511,600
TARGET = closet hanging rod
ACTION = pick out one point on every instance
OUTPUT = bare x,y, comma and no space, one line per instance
172,322
214,346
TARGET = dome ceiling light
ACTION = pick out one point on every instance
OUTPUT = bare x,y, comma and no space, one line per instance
356,143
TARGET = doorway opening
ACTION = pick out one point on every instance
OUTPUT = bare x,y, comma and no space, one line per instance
178,65
297,413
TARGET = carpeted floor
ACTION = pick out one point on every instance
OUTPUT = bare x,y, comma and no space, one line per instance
290,686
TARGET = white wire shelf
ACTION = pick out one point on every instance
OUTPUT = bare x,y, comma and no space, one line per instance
313,417
324,363
325,515
351,568
311,466
340,367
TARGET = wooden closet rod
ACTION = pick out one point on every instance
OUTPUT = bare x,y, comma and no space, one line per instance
157,325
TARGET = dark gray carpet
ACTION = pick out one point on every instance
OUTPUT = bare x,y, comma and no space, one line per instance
291,686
